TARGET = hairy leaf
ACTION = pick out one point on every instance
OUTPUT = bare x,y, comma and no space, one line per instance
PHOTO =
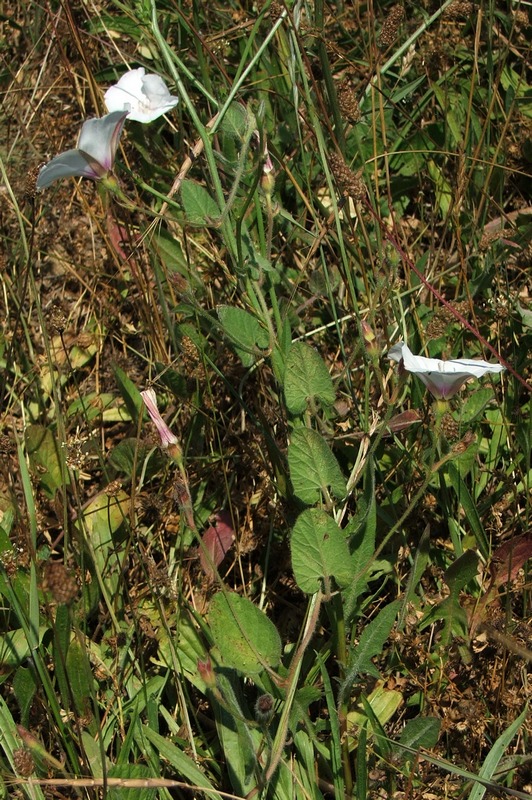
313,467
198,205
245,332
247,640
319,552
306,377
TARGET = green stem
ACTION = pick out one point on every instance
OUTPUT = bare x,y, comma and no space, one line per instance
313,613
336,613
250,127
204,133
243,75
432,467
397,54
328,78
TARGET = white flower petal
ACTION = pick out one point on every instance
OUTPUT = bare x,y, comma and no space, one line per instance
126,92
144,97
99,138
157,92
94,156
442,378
150,400
67,165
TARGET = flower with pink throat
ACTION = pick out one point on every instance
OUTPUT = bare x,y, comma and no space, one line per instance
442,378
94,156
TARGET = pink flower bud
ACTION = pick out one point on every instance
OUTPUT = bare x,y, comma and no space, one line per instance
370,340
207,673
267,181
150,401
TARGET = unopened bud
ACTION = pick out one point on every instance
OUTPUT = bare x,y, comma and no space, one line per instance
370,340
264,708
207,673
267,180
168,439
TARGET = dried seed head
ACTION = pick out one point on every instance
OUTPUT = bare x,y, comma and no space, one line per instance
437,327
113,488
7,445
76,454
9,563
347,180
501,308
443,317
439,323
23,762
60,582
465,443
348,102
149,506
487,240
191,363
276,9
86,720
57,319
85,340
13,560
158,576
460,8
450,428
390,26
521,18
30,186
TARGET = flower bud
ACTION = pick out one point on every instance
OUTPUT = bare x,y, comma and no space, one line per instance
207,673
264,708
168,439
267,180
370,340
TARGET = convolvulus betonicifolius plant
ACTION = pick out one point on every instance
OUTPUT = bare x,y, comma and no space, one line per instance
243,552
